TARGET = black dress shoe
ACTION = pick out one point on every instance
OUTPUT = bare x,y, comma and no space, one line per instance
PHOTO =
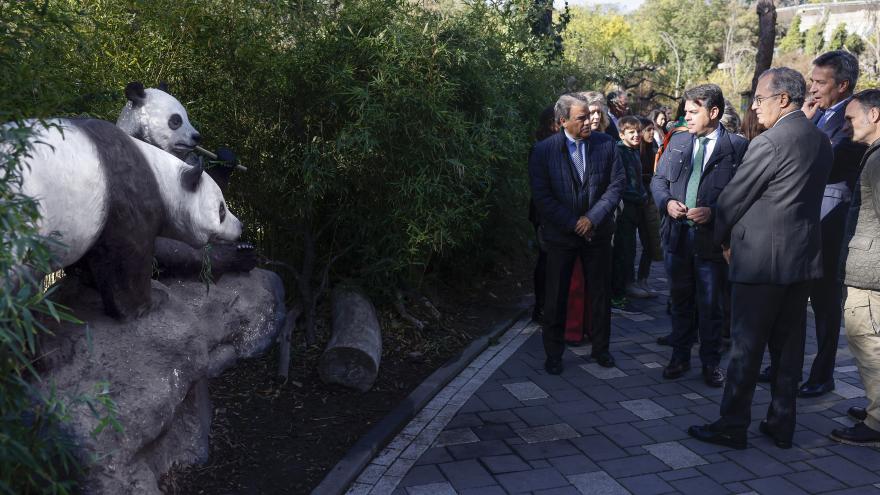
664,340
675,369
605,360
553,366
858,413
765,429
710,434
713,376
764,375
808,390
860,434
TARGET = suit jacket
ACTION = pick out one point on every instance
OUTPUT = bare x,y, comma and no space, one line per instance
671,180
846,164
560,196
769,212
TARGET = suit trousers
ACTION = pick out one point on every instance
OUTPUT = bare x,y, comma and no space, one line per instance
774,316
596,262
826,295
861,314
697,294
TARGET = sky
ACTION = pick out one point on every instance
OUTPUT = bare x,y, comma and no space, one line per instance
623,5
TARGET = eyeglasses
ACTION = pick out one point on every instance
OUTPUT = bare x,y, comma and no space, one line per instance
761,99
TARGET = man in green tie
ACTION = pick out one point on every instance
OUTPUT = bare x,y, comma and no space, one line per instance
690,175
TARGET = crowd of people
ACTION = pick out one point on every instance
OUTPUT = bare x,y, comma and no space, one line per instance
752,217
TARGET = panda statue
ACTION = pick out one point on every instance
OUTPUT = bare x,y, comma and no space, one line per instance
107,197
154,116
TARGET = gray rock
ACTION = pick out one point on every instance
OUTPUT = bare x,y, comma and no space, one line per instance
353,354
157,368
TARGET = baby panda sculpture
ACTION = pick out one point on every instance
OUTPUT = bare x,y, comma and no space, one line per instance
107,197
156,117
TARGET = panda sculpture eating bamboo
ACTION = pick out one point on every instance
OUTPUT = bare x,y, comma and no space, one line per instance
107,196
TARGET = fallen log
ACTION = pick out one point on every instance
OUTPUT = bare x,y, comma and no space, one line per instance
353,354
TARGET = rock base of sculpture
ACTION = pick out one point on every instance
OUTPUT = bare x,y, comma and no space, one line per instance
354,352
157,368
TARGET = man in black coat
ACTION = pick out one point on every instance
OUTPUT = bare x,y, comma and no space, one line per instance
768,217
693,171
832,81
577,179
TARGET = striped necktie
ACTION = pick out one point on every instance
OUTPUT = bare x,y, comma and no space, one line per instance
696,171
578,158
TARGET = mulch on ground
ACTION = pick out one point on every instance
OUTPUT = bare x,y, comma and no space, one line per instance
268,438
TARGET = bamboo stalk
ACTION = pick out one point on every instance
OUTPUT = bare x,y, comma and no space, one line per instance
213,156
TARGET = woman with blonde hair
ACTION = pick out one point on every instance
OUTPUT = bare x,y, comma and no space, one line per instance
599,119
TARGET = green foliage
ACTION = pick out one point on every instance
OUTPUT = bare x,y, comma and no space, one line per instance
794,38
838,37
814,39
855,44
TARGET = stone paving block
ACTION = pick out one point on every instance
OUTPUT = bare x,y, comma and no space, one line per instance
504,463
537,415
699,485
680,474
601,372
400,467
422,475
498,400
859,455
548,433
539,464
597,483
494,432
726,472
464,420
665,433
845,471
480,449
466,474
563,490
544,450
434,456
631,381
529,481
456,437
573,464
692,396
526,391
498,417
603,394
646,409
575,408
646,484
432,489
638,392
387,456
675,455
371,474
757,462
359,489
385,485
474,404
624,435
598,448
775,484
632,466
814,481
484,490
847,391
685,421
615,416
584,423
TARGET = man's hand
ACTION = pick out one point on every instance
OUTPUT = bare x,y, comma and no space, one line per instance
701,214
810,107
725,251
676,209
583,227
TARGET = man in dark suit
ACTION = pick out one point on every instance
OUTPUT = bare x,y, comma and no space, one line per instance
768,217
832,81
577,179
693,171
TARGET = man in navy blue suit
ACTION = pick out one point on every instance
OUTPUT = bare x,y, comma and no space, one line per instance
832,81
577,179
693,171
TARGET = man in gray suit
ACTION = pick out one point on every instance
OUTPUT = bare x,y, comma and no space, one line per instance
768,219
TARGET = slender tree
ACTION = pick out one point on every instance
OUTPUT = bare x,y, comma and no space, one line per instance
766,39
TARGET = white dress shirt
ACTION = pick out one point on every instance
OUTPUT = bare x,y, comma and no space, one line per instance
711,139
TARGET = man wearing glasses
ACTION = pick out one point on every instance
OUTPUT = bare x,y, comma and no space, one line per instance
768,221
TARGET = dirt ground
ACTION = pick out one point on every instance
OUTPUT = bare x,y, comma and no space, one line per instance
272,439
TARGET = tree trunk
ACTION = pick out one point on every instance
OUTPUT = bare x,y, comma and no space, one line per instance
355,348
284,342
766,39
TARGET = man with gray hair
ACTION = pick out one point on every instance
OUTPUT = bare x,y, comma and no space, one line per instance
861,273
577,179
767,220
832,81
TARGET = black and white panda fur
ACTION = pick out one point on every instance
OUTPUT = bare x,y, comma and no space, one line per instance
108,196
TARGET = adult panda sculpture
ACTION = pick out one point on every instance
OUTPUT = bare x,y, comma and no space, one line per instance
154,116
107,197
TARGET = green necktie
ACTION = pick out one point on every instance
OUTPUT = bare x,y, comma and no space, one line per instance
696,171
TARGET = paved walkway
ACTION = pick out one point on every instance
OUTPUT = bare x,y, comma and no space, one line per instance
505,426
